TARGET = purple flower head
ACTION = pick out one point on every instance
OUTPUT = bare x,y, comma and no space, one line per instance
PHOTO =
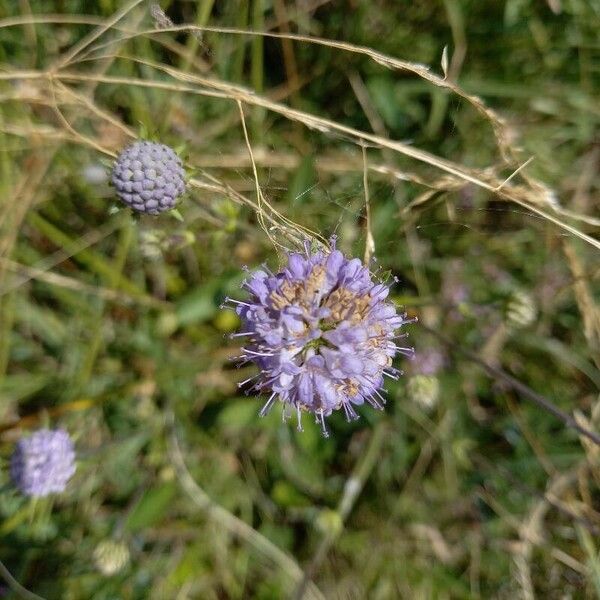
43,463
322,334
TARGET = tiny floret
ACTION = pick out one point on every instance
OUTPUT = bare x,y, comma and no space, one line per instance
43,463
322,334
149,177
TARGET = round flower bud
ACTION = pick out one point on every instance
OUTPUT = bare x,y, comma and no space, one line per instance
43,463
322,333
111,556
329,522
148,177
424,390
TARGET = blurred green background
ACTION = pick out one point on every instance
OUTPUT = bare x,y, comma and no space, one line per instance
110,324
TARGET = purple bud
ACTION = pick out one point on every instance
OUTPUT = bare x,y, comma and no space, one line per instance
136,172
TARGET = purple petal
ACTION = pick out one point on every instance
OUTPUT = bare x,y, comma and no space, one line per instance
296,266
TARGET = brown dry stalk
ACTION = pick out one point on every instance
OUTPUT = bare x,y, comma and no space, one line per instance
531,196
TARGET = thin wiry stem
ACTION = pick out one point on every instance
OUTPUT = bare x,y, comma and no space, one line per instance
259,195
518,386
524,196
232,523
82,44
352,490
15,586
370,241
389,62
551,498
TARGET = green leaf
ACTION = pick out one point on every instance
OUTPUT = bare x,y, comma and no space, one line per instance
93,260
20,386
197,306
202,303
177,215
119,460
152,507
239,413
383,94
190,566
285,494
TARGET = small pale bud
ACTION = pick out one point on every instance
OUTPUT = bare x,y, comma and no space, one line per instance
111,557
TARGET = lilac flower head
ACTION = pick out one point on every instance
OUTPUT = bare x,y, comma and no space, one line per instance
43,463
322,334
